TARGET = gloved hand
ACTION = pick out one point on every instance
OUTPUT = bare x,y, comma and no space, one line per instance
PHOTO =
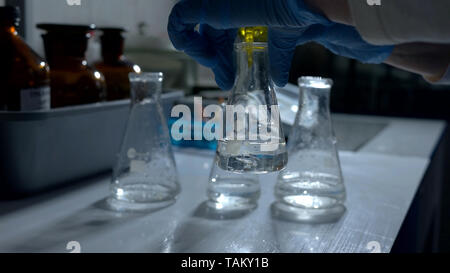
345,41
212,46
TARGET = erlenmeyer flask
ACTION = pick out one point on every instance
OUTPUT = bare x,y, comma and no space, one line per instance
253,141
311,187
230,193
145,175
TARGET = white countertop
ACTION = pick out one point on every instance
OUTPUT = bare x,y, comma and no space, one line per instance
400,136
381,179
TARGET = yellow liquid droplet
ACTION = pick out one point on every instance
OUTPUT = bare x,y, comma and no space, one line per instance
250,35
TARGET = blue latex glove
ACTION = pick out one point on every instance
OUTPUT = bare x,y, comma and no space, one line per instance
345,41
212,46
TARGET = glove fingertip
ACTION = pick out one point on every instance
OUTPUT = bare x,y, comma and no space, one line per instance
224,84
279,70
224,81
280,79
281,83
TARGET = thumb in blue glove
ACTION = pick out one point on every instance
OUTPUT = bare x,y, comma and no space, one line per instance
345,41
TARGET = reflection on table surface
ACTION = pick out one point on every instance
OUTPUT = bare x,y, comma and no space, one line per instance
379,194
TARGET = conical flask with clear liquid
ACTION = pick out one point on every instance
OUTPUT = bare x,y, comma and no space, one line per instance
311,187
145,175
230,193
253,140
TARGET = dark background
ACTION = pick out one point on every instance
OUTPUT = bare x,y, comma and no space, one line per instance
372,89
21,5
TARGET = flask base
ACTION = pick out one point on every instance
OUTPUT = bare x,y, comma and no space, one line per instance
227,203
231,206
233,194
287,212
252,164
216,210
127,206
141,197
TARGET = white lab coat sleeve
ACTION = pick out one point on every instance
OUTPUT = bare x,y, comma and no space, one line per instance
402,21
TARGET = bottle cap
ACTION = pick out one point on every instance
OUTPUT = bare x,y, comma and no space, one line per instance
62,29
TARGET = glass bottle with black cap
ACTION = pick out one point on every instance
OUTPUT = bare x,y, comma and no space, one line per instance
115,66
73,81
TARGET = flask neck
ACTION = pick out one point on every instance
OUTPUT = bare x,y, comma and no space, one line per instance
252,61
145,88
314,102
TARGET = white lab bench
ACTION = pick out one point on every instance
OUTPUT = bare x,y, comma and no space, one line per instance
382,174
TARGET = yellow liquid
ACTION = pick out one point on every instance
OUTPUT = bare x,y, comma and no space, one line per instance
252,35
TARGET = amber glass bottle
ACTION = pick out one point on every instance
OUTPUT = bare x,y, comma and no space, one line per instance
73,82
24,76
115,66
